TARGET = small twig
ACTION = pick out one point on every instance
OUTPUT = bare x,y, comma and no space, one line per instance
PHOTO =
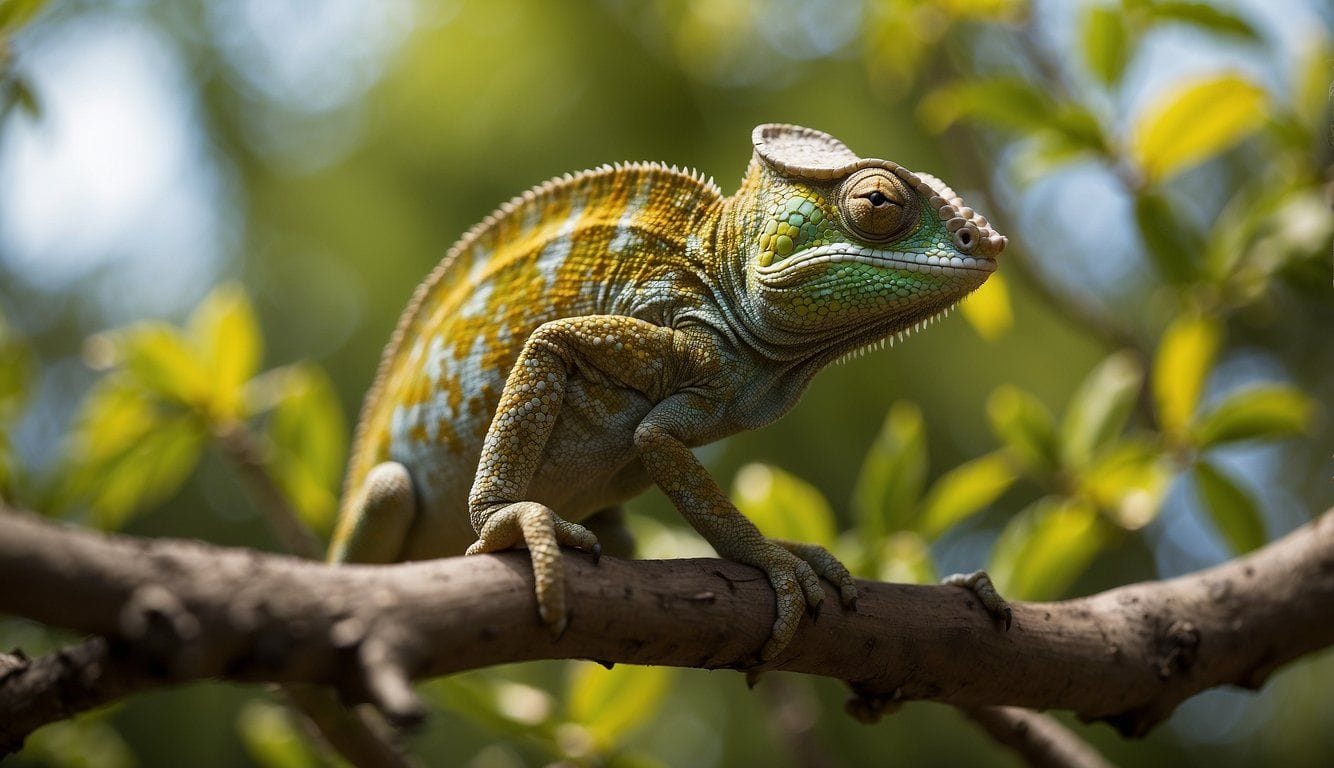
244,451
1040,739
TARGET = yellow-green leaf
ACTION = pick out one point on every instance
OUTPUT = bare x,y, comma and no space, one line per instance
16,13
144,474
1201,15
1170,241
1128,481
1100,407
162,361
16,365
988,309
1026,427
1257,412
88,741
892,475
1106,43
1194,121
610,703
272,739
1045,548
1183,361
497,704
226,333
125,454
964,491
309,437
1007,103
1232,508
783,506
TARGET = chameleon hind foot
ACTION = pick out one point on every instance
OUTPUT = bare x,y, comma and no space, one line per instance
542,531
979,583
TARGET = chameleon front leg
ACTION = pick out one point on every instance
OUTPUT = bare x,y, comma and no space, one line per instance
793,569
622,350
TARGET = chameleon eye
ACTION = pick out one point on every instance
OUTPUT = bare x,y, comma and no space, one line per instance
877,205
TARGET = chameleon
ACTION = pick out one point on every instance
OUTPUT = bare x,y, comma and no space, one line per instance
572,348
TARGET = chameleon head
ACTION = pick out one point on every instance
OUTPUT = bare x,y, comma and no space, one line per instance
854,247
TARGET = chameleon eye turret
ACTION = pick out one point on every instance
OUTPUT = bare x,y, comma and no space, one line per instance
878,206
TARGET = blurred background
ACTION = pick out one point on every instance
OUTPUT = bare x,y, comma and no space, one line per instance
211,214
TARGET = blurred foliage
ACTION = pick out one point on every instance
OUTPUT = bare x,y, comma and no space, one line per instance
1077,431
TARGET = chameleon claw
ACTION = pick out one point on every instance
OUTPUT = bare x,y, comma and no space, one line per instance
559,627
815,610
597,553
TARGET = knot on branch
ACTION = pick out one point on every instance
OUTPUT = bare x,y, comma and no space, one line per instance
161,630
1178,649
387,659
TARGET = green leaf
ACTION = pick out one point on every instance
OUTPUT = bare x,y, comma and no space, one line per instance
272,739
1183,361
1232,509
1311,95
1106,43
964,491
1128,481
309,437
500,705
1026,427
783,506
610,703
988,309
16,365
87,741
162,361
1204,16
1045,548
1256,412
1194,121
892,475
1099,408
16,13
1006,103
1170,242
226,333
125,454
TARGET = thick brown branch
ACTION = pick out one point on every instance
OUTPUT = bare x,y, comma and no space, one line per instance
183,610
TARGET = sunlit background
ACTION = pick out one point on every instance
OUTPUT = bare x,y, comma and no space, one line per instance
326,154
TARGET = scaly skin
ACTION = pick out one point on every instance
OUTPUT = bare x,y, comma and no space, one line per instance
573,347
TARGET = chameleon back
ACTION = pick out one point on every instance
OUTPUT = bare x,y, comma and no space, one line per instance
574,246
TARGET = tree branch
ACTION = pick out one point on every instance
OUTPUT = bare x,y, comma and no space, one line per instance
181,610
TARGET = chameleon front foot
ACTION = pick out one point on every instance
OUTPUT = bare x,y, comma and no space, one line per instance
794,571
826,567
542,531
979,583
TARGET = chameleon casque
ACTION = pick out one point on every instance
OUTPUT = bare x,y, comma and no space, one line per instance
574,346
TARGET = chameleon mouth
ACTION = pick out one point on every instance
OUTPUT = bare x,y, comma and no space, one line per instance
784,273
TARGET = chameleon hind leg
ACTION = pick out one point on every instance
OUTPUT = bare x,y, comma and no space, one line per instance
979,583
376,529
